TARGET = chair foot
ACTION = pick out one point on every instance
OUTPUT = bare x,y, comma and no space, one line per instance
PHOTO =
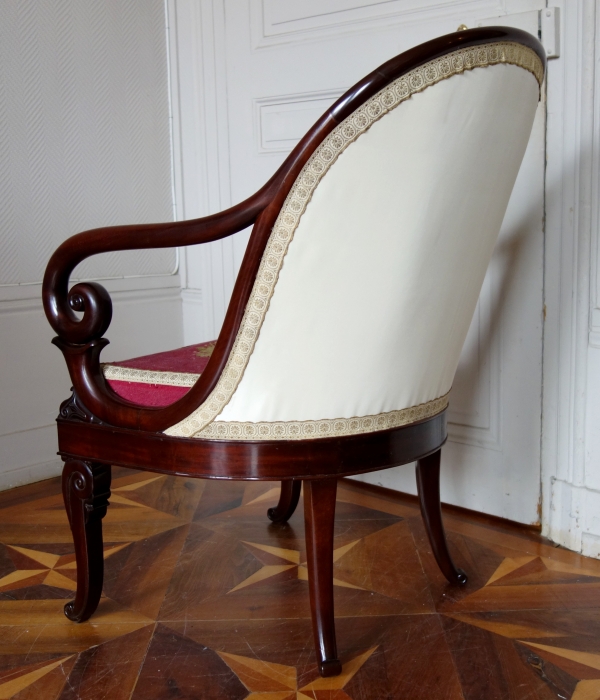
288,500
319,516
330,668
428,484
462,578
86,490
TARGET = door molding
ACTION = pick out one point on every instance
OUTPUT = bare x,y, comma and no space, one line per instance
570,471
202,177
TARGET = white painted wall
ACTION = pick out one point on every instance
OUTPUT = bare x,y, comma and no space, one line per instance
84,142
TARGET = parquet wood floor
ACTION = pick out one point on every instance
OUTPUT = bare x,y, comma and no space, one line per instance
204,598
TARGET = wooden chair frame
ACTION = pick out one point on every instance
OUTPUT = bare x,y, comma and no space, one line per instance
98,428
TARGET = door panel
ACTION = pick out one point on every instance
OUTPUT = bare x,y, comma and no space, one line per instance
286,62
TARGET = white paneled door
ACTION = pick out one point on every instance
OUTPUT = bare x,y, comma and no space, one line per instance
270,68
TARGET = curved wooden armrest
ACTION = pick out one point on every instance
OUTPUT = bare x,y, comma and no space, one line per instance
80,339
91,298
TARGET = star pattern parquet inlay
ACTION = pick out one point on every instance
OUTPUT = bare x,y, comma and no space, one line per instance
205,598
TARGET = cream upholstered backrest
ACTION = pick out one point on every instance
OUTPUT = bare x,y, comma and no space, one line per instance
370,278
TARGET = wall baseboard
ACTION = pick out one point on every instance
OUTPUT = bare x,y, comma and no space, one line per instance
574,521
447,508
30,473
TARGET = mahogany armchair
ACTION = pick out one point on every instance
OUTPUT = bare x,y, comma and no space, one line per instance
342,337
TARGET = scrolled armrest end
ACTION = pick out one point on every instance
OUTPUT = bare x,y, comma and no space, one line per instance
88,298
94,301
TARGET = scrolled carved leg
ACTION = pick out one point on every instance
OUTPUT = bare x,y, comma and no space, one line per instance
428,484
288,500
86,490
319,515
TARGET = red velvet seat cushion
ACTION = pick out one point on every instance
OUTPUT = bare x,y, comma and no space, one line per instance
164,389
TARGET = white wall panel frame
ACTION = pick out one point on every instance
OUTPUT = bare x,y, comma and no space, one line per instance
282,120
277,22
475,411
35,380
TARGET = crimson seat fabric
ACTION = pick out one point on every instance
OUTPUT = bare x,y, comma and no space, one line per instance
159,379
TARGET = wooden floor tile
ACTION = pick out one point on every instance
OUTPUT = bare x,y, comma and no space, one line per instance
109,670
139,575
494,667
45,680
178,667
264,654
205,598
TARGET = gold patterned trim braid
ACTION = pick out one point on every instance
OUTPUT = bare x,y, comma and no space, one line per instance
356,124
147,376
328,427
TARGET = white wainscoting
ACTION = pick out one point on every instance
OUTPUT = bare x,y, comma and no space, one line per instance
285,21
34,378
283,120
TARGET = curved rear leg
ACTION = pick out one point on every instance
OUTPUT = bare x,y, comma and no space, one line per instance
288,500
428,484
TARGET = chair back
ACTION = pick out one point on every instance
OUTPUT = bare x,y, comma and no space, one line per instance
371,275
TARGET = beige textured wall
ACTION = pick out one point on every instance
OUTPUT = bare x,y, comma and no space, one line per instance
84,142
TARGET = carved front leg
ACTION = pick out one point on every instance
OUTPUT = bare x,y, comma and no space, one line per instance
86,490
319,517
